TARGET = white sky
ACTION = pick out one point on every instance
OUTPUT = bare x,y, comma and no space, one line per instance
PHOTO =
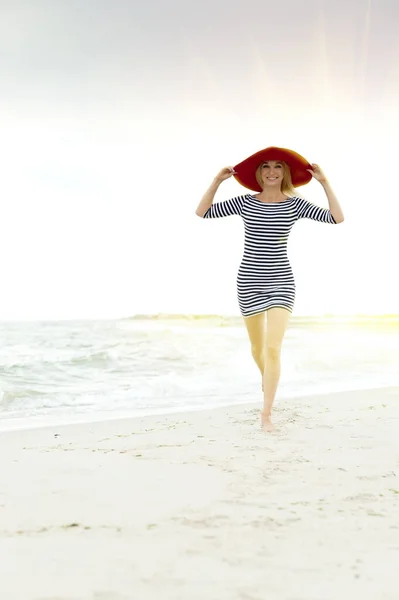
116,116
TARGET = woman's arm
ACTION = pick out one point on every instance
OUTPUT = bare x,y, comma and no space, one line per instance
207,198
335,208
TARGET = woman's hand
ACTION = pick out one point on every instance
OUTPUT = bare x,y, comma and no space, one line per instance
317,173
224,174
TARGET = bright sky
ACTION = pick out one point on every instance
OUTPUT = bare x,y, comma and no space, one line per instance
116,115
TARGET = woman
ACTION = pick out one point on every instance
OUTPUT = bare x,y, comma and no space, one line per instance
265,282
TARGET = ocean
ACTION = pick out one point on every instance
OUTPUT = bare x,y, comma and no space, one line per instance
53,373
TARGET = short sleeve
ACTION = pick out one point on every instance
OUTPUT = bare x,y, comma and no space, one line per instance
307,210
226,208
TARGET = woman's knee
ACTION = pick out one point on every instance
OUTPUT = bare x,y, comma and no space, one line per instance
257,349
273,352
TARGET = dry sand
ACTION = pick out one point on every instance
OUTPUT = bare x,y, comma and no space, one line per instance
206,506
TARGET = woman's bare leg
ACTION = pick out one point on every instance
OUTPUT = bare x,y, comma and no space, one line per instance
277,321
257,336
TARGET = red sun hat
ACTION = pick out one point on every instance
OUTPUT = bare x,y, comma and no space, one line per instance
246,170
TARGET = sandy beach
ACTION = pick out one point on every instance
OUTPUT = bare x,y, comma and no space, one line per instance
204,505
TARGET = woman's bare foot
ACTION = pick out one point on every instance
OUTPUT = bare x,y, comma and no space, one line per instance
266,423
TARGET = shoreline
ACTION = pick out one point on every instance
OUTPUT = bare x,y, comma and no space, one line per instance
106,417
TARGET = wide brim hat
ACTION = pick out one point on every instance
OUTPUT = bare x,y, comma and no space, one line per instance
246,170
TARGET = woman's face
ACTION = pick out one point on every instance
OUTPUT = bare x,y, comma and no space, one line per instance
272,172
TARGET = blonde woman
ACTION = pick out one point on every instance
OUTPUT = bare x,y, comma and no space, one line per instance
265,281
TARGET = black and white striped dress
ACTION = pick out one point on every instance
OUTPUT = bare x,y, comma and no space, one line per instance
265,278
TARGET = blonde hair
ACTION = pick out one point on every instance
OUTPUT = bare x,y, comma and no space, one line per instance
286,184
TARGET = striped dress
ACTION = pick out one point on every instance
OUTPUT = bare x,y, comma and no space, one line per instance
265,278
